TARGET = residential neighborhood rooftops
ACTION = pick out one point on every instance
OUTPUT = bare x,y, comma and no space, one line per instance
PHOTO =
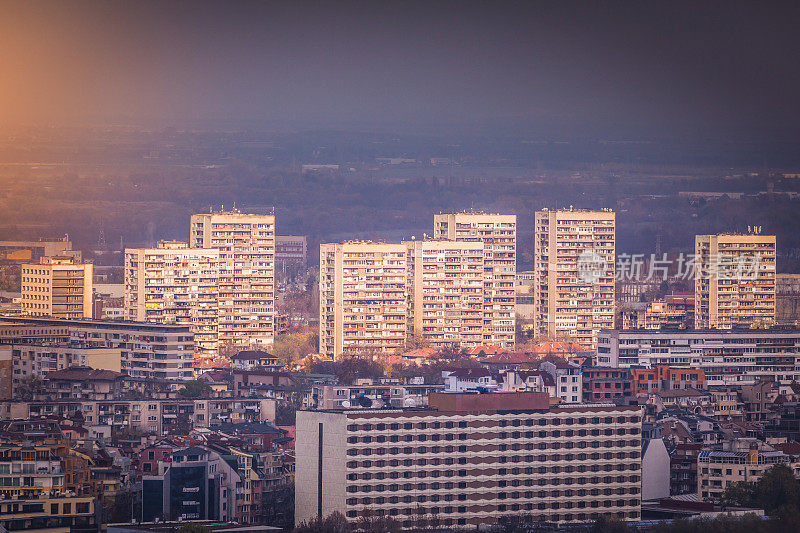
84,373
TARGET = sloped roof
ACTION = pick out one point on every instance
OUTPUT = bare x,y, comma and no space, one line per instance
83,373
547,379
789,448
512,358
681,393
488,350
252,355
193,450
557,347
425,353
470,373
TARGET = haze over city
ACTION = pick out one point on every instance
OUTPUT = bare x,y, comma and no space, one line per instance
615,70
328,267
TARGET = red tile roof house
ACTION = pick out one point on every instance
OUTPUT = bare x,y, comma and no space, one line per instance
466,379
485,350
509,361
529,380
252,359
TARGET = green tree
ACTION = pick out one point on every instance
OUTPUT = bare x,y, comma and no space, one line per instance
195,388
739,494
29,388
777,492
778,489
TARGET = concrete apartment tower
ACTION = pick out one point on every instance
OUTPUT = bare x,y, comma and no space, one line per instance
574,261
362,297
498,233
246,245
175,284
446,293
59,287
734,281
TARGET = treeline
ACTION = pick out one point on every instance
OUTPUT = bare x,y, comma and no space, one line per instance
155,203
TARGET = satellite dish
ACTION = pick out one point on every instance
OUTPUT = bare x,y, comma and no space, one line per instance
409,402
346,404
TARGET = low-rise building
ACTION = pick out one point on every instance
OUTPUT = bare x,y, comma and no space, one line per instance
467,379
59,287
252,359
606,384
665,377
739,460
469,460
727,357
567,376
146,350
53,514
198,484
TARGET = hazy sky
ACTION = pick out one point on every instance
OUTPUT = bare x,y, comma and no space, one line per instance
615,69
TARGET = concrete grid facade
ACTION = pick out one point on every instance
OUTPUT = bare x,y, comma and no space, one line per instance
498,233
246,282
57,286
362,297
446,292
175,284
467,468
570,303
734,280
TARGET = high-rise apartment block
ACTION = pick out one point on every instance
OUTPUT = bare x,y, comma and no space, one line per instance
59,287
574,261
362,299
175,284
246,273
734,280
446,292
498,233
469,460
